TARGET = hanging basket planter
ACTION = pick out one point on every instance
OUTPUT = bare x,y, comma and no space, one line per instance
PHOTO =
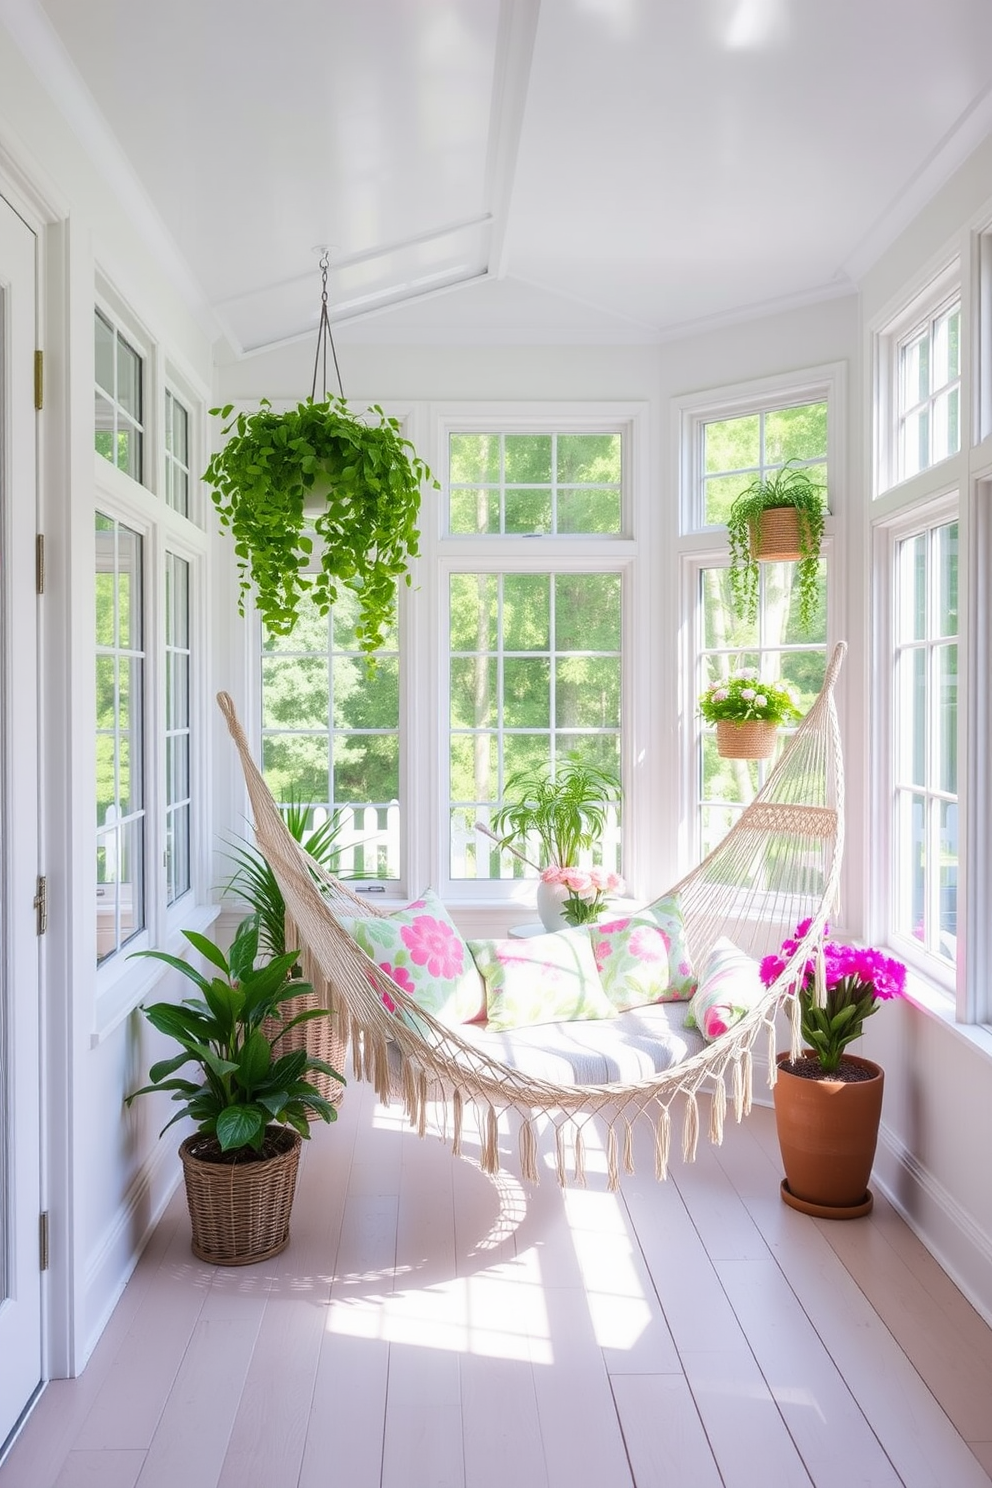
775,536
752,740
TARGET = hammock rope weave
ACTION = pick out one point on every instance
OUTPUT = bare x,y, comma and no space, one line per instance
779,864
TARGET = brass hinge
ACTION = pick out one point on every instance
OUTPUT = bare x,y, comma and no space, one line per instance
43,1240
41,904
39,379
39,563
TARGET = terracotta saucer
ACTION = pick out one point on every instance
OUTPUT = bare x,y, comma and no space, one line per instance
828,1211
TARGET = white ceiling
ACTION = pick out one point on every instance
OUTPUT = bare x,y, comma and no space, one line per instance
486,170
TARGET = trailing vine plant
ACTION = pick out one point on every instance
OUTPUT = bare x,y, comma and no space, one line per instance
789,486
368,479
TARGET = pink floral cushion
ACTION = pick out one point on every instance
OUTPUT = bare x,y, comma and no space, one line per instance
729,987
643,958
421,949
541,979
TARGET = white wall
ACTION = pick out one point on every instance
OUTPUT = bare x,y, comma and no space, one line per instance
106,1174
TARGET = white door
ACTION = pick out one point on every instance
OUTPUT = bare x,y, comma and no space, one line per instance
20,1068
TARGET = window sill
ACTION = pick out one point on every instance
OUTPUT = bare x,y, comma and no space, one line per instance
118,999
936,1003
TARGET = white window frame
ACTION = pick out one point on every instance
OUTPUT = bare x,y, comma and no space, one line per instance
916,519
119,982
625,553
940,291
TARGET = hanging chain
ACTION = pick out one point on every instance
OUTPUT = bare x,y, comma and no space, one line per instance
324,339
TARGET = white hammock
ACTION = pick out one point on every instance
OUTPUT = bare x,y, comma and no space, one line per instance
779,864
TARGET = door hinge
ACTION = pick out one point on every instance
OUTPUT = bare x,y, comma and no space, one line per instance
41,904
43,1240
39,379
39,563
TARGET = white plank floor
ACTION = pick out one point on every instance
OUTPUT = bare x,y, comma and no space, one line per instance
429,1327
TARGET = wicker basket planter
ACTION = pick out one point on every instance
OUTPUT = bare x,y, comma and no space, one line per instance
775,536
751,740
319,1037
239,1211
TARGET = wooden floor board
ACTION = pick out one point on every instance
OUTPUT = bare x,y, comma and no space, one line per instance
430,1326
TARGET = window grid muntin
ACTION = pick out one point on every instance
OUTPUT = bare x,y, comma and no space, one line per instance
476,848
371,837
763,466
177,466
178,731
924,880
120,840
918,410
123,424
500,486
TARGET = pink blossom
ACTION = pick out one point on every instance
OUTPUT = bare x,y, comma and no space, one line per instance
400,976
579,881
715,1023
553,874
601,949
433,944
720,694
649,944
747,693
613,927
760,701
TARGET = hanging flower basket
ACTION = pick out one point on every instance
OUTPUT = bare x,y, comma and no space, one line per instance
753,740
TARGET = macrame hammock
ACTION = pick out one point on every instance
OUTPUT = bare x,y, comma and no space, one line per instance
778,865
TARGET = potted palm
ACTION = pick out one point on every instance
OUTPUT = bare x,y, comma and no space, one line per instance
563,811
747,713
828,1102
317,487
251,1101
778,518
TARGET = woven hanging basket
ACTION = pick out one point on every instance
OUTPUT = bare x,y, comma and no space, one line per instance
320,1039
775,536
239,1212
752,740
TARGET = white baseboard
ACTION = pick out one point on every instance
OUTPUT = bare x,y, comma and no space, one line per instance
114,1259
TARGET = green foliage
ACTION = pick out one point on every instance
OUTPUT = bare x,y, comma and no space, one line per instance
366,532
565,811
789,486
743,697
255,883
247,1084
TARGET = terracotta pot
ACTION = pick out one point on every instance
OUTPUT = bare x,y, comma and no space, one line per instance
754,739
827,1132
775,536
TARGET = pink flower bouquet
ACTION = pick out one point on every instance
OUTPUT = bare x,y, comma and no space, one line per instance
586,891
857,979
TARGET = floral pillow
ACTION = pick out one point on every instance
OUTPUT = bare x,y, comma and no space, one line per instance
541,979
421,949
729,987
643,958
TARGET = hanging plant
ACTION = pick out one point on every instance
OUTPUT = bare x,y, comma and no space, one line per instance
368,479
791,486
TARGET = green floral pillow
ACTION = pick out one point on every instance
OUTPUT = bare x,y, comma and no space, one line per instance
421,949
643,957
541,979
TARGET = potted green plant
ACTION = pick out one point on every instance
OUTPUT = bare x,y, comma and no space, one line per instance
828,1103
747,713
255,884
565,810
250,1100
364,482
778,518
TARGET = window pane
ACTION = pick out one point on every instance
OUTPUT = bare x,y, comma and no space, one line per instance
118,400
526,612
732,444
796,433
474,458
587,612
946,733
534,484
588,458
104,354
928,413
527,457
177,730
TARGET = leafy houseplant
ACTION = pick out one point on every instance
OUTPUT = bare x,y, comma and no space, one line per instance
246,1086
368,479
251,1102
789,486
565,810
828,1104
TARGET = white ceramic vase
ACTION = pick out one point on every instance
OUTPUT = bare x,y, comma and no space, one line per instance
550,898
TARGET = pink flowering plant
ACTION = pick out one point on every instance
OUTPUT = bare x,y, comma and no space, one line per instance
586,891
743,696
857,980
